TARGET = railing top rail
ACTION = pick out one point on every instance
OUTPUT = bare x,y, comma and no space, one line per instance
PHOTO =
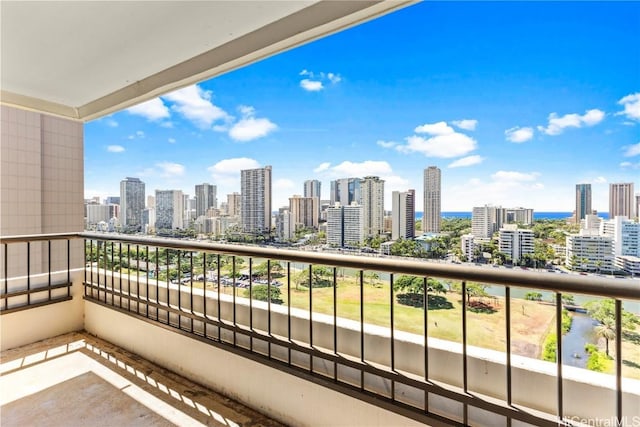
565,283
38,237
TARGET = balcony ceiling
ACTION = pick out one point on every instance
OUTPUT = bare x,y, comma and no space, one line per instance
86,59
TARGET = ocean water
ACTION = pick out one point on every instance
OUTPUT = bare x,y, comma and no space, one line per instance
536,215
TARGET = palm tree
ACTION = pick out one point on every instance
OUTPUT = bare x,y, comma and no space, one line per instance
606,330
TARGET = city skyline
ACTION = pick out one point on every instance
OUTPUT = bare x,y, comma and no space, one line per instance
510,121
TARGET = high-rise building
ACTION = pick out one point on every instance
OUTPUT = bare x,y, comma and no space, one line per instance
112,200
515,242
589,251
255,206
285,226
522,216
313,188
625,234
346,191
169,210
101,213
304,211
403,214
431,215
486,220
131,203
583,202
233,204
372,193
345,225
206,197
621,200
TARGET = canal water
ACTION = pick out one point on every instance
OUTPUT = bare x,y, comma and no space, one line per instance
573,342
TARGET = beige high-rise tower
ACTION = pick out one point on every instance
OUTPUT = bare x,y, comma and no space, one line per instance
431,216
255,196
621,200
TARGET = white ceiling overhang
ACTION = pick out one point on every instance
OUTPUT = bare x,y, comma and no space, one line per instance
86,59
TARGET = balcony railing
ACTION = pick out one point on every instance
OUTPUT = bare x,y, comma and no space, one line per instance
196,289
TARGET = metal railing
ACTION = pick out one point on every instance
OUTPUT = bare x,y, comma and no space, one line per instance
133,275
32,285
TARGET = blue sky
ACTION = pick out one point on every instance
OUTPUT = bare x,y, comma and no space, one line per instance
515,102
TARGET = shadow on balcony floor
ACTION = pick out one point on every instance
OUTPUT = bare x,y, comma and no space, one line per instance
78,380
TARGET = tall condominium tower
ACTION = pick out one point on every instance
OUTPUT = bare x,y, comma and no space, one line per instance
345,225
233,204
169,209
403,214
621,200
372,194
255,196
313,188
346,191
206,198
583,201
131,203
486,220
431,216
304,211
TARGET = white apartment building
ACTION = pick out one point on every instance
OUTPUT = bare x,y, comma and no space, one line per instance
621,200
285,224
169,210
468,246
304,211
101,213
432,211
372,193
345,225
255,196
345,191
591,222
403,214
589,251
132,192
515,242
233,204
625,234
486,220
519,215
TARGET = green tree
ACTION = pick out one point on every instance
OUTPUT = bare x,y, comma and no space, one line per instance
533,296
262,293
606,330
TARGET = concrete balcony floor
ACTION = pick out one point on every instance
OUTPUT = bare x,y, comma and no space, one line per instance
79,380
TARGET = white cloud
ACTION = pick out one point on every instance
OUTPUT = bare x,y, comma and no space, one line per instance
443,146
632,150
169,169
557,125
515,176
138,135
232,166
466,161
367,168
283,184
629,165
194,104
172,140
315,82
112,123
249,128
518,134
467,124
311,85
631,105
154,109
440,128
599,180
386,144
115,148
322,167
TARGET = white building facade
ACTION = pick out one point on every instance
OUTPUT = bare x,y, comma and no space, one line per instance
255,205
515,242
345,225
403,214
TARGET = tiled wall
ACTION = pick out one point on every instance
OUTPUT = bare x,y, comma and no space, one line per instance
41,182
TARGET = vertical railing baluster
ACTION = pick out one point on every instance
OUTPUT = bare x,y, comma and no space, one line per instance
120,273
361,329
204,294
465,384
28,272
233,272
68,267
335,322
618,309
425,328
559,355
105,256
98,267
507,308
167,253
128,277
311,316
251,303
179,286
289,312
157,274
90,286
49,268
138,279
6,274
269,307
147,299
191,289
113,272
392,336
219,304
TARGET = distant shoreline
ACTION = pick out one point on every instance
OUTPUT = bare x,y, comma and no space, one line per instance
536,215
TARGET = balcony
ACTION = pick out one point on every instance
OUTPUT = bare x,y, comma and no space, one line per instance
186,306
